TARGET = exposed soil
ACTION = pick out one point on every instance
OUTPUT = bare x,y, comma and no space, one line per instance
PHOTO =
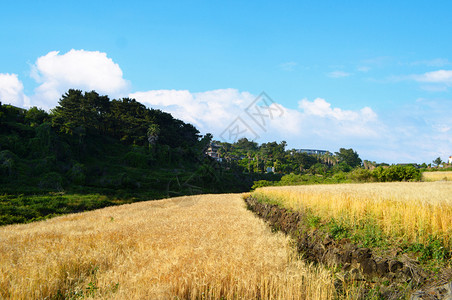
393,276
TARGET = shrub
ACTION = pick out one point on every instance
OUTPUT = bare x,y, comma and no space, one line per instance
362,175
291,179
51,180
339,176
396,173
77,174
8,161
261,183
135,159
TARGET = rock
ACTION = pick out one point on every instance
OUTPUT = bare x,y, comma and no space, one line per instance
363,256
353,274
368,266
443,292
333,255
395,265
362,253
382,267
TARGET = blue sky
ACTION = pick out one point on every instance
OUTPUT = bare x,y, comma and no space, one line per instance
375,77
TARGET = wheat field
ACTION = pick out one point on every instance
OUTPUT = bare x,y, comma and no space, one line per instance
437,176
197,247
412,210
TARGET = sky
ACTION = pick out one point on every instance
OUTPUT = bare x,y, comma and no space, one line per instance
375,77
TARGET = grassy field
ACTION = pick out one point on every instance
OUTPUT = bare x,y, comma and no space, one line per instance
437,176
417,213
197,247
30,208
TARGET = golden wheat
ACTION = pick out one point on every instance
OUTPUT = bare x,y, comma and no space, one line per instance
437,176
199,247
413,210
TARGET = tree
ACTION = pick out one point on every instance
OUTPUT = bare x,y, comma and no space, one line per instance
245,144
438,161
349,156
153,133
36,116
78,112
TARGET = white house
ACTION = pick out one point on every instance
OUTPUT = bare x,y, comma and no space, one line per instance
312,151
212,151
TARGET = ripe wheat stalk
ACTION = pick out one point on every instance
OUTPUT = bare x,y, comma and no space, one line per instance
412,210
199,247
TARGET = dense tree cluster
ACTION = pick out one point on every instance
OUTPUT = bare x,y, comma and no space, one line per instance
125,119
90,140
254,158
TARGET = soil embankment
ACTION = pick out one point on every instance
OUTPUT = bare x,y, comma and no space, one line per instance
391,275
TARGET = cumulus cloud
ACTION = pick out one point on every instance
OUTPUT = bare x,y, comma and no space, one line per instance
338,74
440,76
321,108
313,124
337,123
11,90
79,69
210,111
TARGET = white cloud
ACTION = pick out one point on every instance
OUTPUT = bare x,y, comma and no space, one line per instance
313,124
321,108
210,111
363,69
440,76
288,66
437,62
442,128
316,124
11,90
434,88
78,69
338,74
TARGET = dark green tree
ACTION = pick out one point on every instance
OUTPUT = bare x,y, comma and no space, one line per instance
349,156
80,112
245,144
36,116
438,161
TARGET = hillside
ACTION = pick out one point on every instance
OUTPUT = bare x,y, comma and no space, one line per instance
90,152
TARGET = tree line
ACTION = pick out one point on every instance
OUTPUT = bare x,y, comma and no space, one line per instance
255,158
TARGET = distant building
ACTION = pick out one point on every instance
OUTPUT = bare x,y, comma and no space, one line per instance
212,151
312,151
